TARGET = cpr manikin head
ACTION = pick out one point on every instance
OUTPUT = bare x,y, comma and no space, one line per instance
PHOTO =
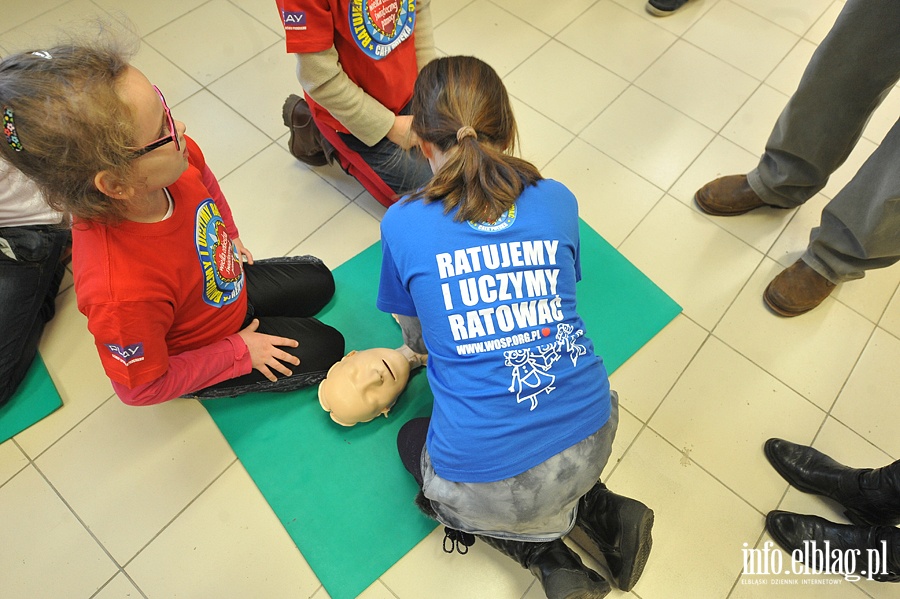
363,385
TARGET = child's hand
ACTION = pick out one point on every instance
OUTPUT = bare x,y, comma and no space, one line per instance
401,132
242,251
264,352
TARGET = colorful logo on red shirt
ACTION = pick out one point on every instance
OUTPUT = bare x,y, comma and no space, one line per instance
222,270
128,354
294,21
379,26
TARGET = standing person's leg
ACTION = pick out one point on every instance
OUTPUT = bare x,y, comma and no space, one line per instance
859,230
848,76
860,227
846,79
28,288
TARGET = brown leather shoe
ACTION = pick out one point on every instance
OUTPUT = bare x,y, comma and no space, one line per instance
306,142
728,196
797,290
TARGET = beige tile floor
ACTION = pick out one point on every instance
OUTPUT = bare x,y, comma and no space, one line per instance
633,113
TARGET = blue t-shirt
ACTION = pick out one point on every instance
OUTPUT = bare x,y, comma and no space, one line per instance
514,376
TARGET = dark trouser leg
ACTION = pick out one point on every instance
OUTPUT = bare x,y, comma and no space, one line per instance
28,288
403,171
284,293
320,347
410,443
849,74
292,286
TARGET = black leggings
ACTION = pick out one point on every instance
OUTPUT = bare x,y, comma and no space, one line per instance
284,294
410,443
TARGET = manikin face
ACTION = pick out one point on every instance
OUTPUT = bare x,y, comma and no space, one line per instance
363,385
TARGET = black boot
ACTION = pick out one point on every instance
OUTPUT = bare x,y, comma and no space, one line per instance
792,530
558,568
869,496
620,528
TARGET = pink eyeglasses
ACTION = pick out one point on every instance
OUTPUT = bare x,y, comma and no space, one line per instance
171,137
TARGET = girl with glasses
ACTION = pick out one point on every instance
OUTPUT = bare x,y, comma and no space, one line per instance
176,303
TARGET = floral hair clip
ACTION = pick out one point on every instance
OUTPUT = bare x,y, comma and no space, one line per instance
9,129
42,54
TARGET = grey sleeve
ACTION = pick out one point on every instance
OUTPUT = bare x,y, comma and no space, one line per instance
412,333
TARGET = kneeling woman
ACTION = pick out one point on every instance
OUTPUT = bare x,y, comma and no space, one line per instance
486,255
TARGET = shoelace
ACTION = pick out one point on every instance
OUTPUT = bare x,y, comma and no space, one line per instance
457,540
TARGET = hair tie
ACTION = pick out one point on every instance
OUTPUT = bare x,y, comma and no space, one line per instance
9,129
465,132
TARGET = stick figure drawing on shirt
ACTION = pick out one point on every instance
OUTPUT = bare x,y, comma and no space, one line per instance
531,367
530,376
565,338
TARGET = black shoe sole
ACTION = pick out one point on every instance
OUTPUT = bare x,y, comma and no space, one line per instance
638,542
642,541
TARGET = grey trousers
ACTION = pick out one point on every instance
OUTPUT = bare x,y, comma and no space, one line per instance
851,72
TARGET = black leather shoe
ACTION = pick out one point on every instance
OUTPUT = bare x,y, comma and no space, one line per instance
620,528
807,534
560,571
868,496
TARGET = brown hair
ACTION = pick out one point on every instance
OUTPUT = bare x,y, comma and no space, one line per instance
453,96
70,122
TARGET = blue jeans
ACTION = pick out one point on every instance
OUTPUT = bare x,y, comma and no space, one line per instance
403,171
28,288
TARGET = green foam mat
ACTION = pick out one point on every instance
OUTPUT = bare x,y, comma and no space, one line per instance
342,493
35,399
